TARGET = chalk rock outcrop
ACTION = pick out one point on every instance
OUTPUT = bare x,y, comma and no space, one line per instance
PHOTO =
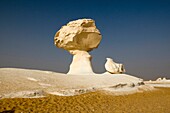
79,37
81,34
161,79
158,79
81,63
113,68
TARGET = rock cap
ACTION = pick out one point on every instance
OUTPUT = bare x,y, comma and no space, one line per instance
80,34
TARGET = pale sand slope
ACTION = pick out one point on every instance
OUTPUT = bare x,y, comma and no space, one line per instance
31,83
157,101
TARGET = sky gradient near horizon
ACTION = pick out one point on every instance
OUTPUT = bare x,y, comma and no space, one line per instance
134,32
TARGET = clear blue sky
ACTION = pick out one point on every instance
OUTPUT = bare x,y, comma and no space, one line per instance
134,32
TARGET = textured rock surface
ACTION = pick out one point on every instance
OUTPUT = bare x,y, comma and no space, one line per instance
78,37
113,67
81,34
33,83
81,63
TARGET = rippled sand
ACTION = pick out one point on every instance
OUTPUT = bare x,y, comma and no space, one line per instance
157,101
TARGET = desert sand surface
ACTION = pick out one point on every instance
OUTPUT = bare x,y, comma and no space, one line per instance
25,91
156,101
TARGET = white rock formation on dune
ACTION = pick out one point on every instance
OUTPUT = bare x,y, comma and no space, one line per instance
113,68
78,37
159,82
161,79
35,83
81,63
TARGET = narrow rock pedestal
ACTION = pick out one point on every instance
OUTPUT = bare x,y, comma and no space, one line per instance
81,63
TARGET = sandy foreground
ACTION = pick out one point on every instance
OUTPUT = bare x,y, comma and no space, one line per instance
25,91
156,101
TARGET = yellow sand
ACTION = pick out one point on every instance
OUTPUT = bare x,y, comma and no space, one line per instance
157,101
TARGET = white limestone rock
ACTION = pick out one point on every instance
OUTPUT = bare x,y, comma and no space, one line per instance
159,79
81,63
113,68
80,34
164,79
78,37
15,83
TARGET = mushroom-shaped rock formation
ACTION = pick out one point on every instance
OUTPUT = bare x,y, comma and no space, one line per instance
79,37
113,68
